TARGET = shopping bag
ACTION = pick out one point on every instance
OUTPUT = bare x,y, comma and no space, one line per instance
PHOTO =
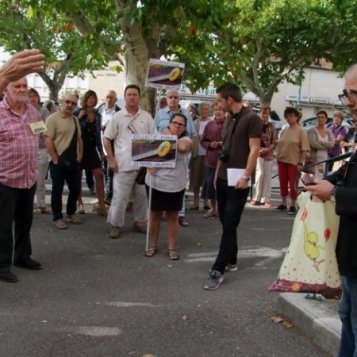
310,264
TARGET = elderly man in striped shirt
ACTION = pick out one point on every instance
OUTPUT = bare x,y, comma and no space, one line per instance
18,164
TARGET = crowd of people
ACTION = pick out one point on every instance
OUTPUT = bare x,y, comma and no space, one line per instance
222,154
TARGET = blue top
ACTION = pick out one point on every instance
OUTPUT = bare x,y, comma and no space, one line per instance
162,119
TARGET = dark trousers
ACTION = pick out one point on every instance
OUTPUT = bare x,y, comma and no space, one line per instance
16,212
230,203
60,175
89,178
108,174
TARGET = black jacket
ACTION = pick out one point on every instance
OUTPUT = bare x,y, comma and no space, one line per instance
346,207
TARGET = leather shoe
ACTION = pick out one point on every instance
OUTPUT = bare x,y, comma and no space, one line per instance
28,264
8,277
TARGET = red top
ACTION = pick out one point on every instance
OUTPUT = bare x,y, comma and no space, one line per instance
18,147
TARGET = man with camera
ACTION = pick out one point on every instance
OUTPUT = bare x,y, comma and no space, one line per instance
241,145
64,145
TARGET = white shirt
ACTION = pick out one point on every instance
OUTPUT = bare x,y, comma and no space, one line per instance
121,128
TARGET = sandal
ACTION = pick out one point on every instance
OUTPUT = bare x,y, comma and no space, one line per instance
210,214
150,252
183,221
80,209
173,254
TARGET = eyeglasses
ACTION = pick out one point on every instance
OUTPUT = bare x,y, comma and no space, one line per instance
173,97
69,102
351,96
178,124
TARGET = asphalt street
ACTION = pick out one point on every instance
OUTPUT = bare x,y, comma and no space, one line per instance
102,297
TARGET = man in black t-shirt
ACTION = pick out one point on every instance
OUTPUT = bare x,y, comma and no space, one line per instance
241,145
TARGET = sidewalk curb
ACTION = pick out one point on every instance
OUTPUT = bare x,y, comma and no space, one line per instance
317,319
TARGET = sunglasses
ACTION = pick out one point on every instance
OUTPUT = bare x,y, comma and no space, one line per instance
178,124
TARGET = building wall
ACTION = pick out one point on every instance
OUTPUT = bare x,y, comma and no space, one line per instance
319,91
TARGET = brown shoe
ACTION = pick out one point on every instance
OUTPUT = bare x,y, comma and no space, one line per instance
73,218
114,232
60,224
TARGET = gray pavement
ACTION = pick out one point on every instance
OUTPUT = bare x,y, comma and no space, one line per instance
102,297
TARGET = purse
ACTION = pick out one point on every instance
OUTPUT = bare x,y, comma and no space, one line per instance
140,177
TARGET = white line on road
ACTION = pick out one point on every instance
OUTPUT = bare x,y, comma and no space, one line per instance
128,304
269,254
97,331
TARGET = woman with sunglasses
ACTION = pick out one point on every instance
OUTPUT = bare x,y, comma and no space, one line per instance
168,189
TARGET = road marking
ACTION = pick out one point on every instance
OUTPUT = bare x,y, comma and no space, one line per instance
128,304
97,331
269,254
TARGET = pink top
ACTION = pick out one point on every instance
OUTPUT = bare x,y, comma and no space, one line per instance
18,147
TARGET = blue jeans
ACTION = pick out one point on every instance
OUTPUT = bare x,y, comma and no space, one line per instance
230,203
60,175
348,314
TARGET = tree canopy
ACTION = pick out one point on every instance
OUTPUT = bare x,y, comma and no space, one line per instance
256,43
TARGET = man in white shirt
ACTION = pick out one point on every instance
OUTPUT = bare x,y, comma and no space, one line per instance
120,129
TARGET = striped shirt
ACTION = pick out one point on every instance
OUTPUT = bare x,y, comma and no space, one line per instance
18,147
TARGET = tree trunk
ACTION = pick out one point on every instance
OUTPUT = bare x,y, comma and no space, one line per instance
53,86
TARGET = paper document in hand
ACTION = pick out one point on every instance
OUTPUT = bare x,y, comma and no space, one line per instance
234,175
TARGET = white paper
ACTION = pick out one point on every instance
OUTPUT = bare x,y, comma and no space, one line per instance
233,175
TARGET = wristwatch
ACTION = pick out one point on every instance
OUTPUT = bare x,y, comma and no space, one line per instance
247,178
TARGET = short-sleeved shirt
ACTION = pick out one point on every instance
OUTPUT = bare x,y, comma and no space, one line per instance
18,147
162,119
122,128
60,129
171,179
292,142
248,126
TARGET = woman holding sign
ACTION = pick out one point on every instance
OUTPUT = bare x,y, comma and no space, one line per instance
168,188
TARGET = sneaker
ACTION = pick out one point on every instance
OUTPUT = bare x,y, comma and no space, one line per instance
231,267
60,224
114,232
8,276
74,218
281,208
292,211
214,281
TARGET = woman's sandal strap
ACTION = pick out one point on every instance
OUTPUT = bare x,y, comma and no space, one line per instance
150,252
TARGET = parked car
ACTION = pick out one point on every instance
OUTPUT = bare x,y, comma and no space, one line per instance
312,122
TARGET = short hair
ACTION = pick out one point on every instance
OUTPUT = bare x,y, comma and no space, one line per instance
112,92
205,104
339,113
87,94
132,86
322,112
49,105
230,90
291,110
351,71
33,91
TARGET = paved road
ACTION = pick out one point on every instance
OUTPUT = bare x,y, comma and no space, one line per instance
102,297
